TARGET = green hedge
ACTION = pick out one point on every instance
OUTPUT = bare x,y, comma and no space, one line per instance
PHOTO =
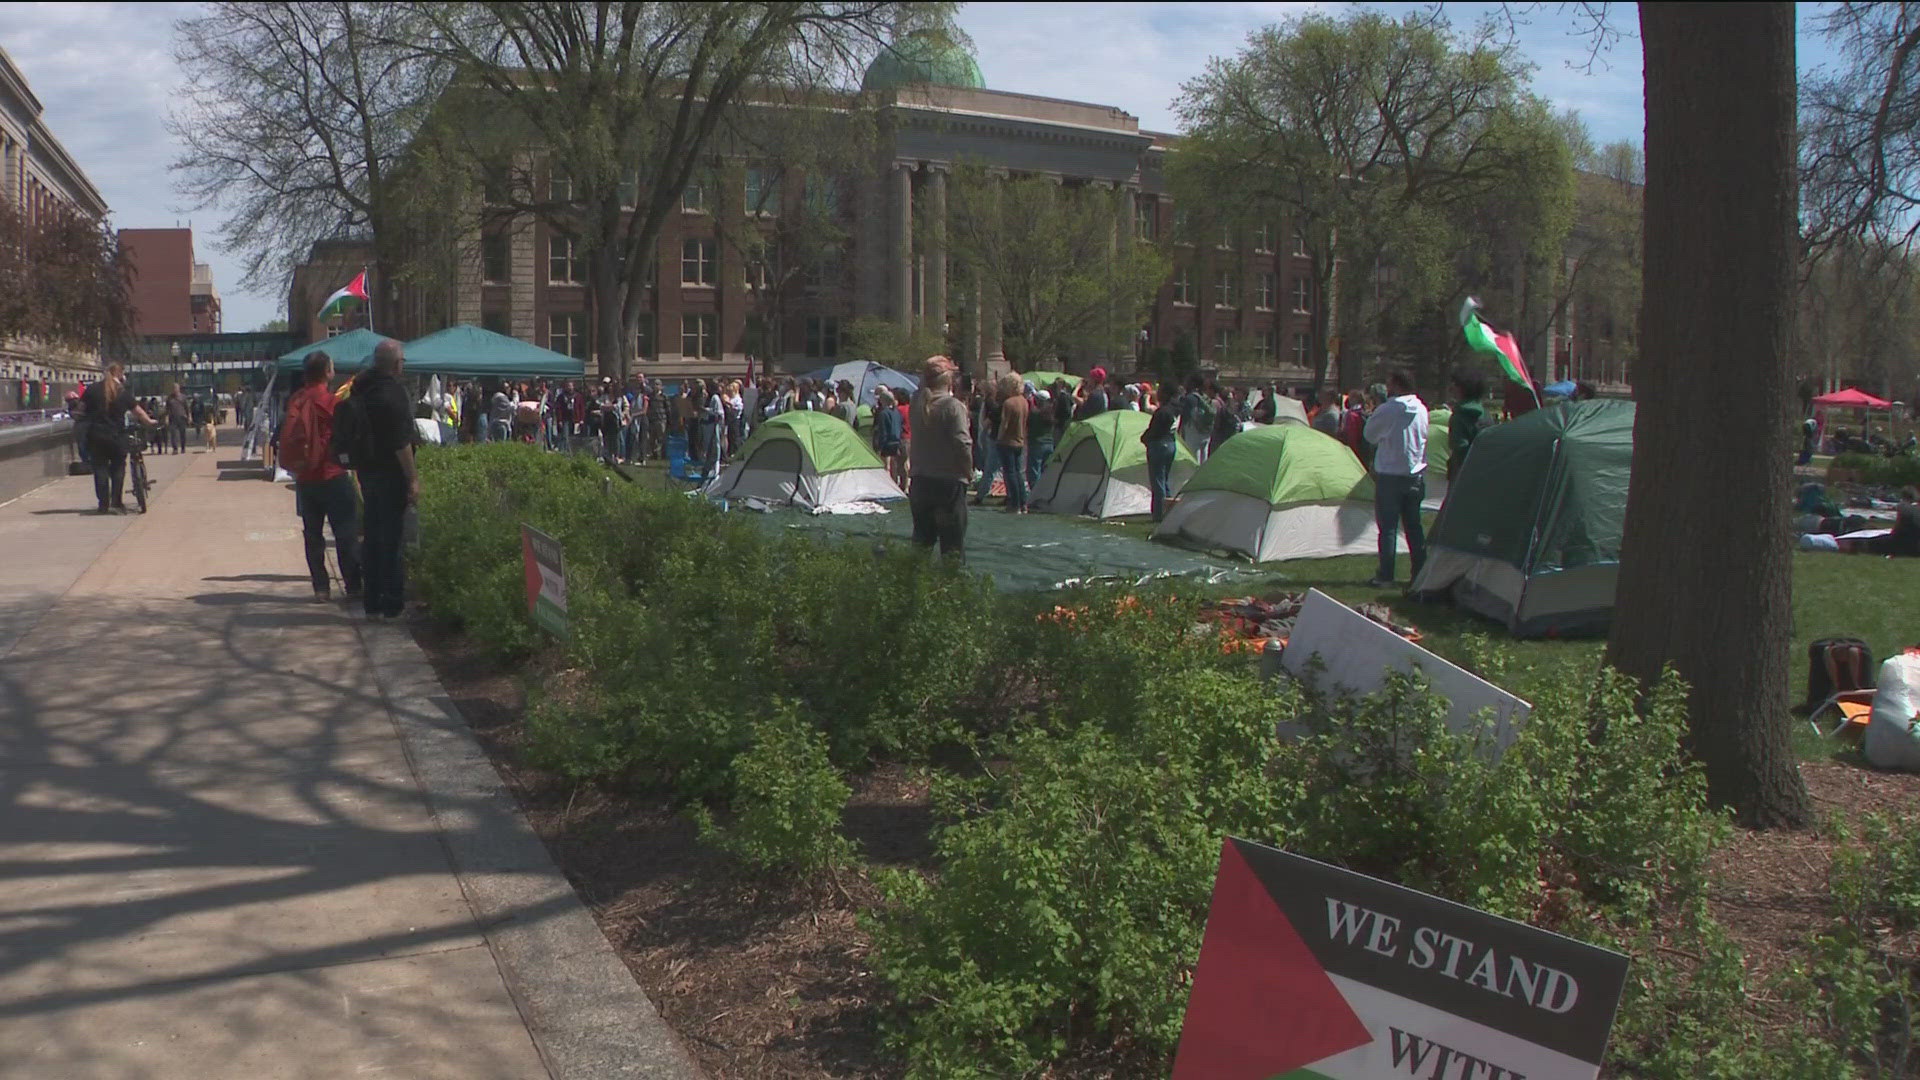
1898,471
1088,757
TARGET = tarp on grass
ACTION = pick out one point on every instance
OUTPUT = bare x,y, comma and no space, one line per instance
1032,552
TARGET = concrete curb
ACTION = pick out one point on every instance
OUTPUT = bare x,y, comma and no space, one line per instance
588,1018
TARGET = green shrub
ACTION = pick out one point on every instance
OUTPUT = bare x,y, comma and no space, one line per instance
1074,881
1898,471
787,802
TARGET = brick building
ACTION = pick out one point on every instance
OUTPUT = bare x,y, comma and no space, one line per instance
172,293
40,176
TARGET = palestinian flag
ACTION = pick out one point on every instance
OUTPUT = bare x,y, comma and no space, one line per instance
354,294
1311,972
1499,347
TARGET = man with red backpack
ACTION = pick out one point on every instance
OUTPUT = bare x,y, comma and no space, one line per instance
323,492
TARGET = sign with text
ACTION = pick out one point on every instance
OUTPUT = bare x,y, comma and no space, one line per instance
1310,972
546,569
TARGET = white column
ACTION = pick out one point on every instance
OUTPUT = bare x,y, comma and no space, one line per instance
902,263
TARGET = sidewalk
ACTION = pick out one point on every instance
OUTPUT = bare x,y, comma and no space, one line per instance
242,835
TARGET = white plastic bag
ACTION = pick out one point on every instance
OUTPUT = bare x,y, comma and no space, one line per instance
1891,741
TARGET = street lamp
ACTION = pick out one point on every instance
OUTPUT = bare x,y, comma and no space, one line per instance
174,348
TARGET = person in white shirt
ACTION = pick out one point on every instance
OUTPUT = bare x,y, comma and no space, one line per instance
1398,432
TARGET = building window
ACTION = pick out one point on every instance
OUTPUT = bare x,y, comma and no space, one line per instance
643,337
563,260
823,196
697,261
568,334
694,199
1227,290
1300,295
1301,345
497,320
1299,242
1263,239
1226,238
823,337
494,263
1146,218
1183,286
1269,290
1220,340
698,338
560,187
763,196
1181,223
629,191
1266,343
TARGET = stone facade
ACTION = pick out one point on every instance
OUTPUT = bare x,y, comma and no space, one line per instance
38,174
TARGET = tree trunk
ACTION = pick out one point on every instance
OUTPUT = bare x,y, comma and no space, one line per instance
1705,568
609,329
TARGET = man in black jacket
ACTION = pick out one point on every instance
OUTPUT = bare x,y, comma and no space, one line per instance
388,483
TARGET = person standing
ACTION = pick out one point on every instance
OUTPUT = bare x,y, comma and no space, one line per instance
1161,448
382,460
106,404
846,406
986,437
1096,401
1011,442
500,416
656,419
176,409
1039,435
322,491
889,433
1469,416
1398,432
941,457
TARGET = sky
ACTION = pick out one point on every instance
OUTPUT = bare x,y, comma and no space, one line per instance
105,73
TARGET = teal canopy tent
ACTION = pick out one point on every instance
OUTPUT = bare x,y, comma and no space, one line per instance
351,351
469,350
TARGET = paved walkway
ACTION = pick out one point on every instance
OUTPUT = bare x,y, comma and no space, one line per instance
242,835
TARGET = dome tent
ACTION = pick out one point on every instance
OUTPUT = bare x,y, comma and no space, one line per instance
1530,534
1099,468
866,377
1281,491
806,460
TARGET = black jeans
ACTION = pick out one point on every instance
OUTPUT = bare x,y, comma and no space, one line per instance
1396,505
318,504
109,474
939,508
177,435
383,494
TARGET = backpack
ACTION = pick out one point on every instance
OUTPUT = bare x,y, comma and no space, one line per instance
352,442
301,449
1836,665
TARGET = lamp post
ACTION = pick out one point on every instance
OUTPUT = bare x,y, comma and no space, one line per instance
174,348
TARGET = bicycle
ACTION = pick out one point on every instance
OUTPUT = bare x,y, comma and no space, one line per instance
137,466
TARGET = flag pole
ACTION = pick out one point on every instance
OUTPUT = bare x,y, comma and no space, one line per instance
363,272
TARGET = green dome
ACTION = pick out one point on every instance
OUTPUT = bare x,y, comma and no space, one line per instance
926,57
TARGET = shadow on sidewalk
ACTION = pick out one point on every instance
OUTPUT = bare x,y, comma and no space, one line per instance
192,793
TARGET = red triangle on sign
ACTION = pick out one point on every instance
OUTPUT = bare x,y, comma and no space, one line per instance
1261,1004
531,567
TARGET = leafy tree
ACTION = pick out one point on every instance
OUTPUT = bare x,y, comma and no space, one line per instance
271,326
623,104
873,338
1721,249
1377,139
63,280
1053,260
292,118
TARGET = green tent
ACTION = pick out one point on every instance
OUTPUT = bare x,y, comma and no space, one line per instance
1277,491
350,351
1043,380
1530,534
1099,468
466,349
806,460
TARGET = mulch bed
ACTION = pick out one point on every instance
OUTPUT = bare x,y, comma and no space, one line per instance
763,981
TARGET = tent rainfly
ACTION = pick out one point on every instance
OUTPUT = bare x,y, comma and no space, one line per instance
350,352
1100,468
1530,534
1279,491
1043,380
866,377
466,349
805,460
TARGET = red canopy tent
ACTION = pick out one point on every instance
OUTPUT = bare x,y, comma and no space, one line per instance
1850,398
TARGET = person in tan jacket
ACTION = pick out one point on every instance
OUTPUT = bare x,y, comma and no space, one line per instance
1012,441
941,459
